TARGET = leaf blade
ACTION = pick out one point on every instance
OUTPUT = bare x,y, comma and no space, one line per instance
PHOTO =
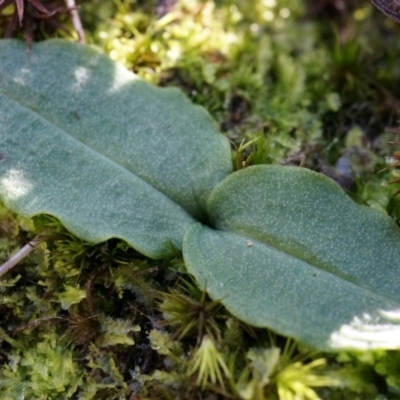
30,184
170,143
289,297
325,270
308,215
64,104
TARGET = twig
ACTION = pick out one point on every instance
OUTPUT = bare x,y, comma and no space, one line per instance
21,254
76,20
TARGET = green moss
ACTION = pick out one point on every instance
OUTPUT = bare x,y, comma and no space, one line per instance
42,368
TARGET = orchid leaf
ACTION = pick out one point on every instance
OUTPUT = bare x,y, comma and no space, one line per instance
294,253
85,140
110,155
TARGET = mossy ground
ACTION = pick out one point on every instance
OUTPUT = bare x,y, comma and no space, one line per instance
289,84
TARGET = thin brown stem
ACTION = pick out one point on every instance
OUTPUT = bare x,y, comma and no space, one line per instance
76,20
20,255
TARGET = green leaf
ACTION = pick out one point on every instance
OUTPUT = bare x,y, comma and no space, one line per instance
85,140
294,253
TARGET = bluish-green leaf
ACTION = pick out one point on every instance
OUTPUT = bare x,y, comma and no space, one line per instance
111,156
84,139
294,253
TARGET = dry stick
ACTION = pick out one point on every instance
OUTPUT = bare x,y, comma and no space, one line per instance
389,7
21,254
76,20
